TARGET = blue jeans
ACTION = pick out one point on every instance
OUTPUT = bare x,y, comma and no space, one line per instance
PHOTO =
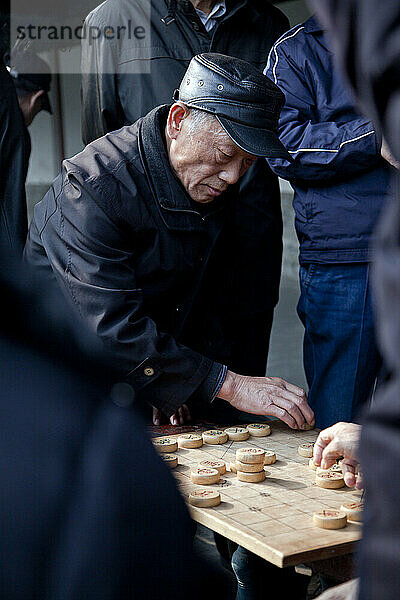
257,579
341,360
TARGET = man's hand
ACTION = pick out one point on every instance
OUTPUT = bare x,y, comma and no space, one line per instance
268,396
388,156
345,591
180,417
340,440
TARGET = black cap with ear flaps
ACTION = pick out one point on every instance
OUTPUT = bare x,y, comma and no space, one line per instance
246,103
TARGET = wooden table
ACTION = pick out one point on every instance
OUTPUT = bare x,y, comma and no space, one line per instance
273,518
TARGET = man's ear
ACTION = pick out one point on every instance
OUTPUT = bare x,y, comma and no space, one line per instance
177,113
36,100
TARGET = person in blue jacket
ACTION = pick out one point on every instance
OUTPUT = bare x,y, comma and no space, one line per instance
340,181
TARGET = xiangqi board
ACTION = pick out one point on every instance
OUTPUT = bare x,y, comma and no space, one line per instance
273,517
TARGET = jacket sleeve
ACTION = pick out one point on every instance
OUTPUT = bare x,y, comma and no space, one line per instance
101,108
320,150
93,263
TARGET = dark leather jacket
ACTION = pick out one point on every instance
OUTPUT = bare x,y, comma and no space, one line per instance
119,233
125,77
122,80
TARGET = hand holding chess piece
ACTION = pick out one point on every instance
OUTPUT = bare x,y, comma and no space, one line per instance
340,441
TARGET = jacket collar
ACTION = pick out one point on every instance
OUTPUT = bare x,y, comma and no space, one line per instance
175,205
312,26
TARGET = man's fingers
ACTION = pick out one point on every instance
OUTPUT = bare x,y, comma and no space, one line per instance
317,454
349,479
280,413
156,416
351,463
295,389
186,413
292,409
359,481
182,416
350,470
306,410
323,439
299,397
179,414
174,419
349,474
330,453
285,385
301,404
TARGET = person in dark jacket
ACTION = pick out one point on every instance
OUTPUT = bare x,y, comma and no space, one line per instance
365,36
15,148
340,181
123,78
22,97
129,227
80,515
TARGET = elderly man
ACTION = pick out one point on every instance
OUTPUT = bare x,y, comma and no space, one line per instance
125,76
129,227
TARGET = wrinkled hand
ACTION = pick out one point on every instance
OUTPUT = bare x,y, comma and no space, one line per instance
180,417
388,156
345,591
268,396
340,440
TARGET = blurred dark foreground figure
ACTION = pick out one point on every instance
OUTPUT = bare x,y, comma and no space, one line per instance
15,148
366,37
22,97
88,510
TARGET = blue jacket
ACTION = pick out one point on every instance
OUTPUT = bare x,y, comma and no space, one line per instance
338,176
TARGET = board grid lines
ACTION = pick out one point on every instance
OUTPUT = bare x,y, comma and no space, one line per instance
273,518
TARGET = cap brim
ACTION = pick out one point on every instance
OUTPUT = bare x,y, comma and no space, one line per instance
260,142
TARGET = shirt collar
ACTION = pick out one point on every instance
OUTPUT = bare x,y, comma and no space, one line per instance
217,12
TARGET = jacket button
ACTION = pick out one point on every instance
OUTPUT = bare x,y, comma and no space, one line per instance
149,371
195,26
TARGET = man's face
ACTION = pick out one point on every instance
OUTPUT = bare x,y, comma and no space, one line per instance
206,161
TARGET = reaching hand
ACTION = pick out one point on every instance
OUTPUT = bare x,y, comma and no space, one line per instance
268,396
340,440
180,417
